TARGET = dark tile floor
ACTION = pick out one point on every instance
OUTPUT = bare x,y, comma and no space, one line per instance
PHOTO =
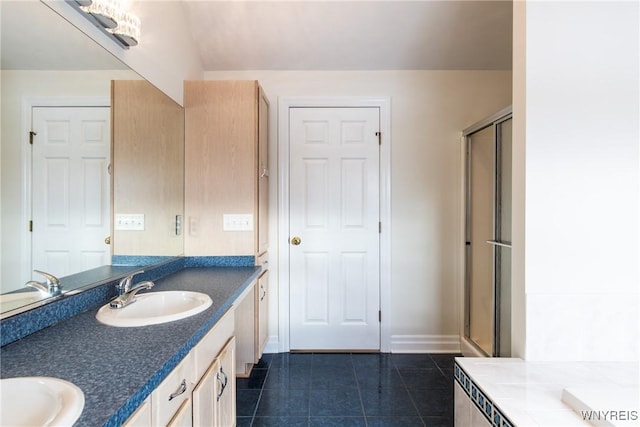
381,390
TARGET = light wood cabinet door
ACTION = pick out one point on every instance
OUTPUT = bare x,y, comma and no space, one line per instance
226,381
263,173
226,158
205,407
147,141
213,398
183,417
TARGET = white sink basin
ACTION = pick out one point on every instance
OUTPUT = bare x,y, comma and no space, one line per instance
18,299
154,308
39,401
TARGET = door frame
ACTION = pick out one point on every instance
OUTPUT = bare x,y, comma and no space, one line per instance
28,104
384,105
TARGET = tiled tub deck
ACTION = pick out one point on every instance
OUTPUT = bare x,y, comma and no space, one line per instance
512,392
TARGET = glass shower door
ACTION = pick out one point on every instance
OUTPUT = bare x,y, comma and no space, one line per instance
503,240
480,293
488,237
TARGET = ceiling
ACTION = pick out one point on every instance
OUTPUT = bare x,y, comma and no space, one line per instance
351,35
290,35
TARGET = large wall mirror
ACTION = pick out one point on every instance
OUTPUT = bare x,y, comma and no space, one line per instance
61,210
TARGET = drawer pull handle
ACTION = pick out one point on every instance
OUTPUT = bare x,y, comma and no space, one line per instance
181,390
264,293
223,381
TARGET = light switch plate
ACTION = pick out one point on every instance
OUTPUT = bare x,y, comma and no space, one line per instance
129,222
237,222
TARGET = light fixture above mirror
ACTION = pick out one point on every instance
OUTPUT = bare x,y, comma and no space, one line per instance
113,18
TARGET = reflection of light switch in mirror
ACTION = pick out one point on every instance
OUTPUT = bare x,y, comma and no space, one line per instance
194,224
237,222
178,225
129,222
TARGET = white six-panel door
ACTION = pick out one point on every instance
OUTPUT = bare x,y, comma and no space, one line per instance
334,212
70,189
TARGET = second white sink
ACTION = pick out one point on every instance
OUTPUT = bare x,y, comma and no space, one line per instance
39,401
154,308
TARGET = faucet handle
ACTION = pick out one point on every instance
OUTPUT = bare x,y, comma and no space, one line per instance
52,281
125,283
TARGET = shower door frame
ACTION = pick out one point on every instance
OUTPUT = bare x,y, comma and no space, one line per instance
494,122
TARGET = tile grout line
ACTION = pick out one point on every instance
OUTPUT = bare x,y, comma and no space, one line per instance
406,388
364,413
310,384
255,410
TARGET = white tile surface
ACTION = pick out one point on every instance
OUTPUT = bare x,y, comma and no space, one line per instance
461,407
530,393
583,326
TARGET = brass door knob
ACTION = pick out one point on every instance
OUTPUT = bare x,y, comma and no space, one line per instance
296,241
107,240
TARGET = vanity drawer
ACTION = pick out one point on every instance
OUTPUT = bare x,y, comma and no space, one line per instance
167,399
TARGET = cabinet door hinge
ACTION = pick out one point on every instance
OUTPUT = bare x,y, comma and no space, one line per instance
379,135
31,135
31,226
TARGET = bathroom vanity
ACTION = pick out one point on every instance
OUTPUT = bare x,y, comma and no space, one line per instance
173,373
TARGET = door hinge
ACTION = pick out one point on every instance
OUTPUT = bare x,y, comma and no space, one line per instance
379,315
31,226
31,135
379,135
379,227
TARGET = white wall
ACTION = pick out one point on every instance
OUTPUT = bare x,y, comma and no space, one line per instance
579,95
429,109
18,86
166,54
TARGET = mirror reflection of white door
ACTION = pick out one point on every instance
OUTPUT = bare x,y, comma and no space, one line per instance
70,189
334,202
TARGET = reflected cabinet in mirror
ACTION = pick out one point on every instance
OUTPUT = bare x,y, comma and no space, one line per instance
70,113
148,172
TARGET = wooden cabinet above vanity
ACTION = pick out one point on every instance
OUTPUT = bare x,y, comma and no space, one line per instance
226,176
227,192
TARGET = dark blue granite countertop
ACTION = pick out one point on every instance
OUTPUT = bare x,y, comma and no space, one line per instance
117,368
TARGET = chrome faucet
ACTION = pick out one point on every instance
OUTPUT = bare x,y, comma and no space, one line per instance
50,287
125,284
127,293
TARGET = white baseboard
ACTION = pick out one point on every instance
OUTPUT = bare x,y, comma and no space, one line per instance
402,344
273,345
425,344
